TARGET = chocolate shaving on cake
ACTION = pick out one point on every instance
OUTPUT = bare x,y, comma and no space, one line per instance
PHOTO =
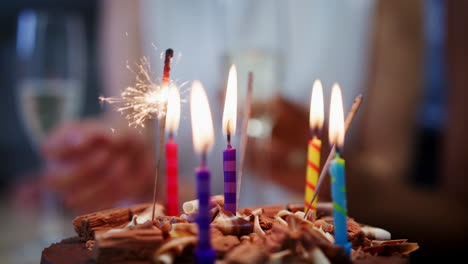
191,207
269,210
175,248
257,229
326,227
135,243
266,222
246,254
183,229
336,254
222,244
165,223
391,249
86,225
276,237
230,224
376,233
355,234
250,215
90,244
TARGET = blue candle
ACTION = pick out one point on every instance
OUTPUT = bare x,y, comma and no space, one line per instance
340,212
337,170
203,138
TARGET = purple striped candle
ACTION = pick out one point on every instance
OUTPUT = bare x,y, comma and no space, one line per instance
229,165
204,252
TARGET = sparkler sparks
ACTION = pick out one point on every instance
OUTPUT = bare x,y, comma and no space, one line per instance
147,99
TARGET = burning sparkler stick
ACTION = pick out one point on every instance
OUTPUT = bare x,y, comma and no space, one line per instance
244,137
162,121
142,101
323,173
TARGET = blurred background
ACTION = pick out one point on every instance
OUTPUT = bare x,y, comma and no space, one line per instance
63,153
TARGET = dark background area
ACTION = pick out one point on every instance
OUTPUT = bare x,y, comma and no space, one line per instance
16,153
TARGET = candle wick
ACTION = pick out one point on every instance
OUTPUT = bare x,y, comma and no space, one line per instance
171,136
339,149
315,132
203,159
228,133
337,154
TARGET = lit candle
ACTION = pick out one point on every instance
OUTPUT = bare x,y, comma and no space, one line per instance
203,138
314,146
229,154
337,170
172,124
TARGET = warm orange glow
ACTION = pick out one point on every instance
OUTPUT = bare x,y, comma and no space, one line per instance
230,103
336,129
202,124
173,110
316,106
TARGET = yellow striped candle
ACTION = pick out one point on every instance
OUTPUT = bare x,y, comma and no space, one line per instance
315,145
313,171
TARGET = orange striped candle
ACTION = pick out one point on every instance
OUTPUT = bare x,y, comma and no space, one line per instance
315,145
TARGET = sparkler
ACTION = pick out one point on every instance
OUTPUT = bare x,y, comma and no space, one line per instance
147,99
162,121
143,101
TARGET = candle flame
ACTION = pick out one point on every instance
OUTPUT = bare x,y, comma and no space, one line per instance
336,130
316,106
173,110
202,125
230,103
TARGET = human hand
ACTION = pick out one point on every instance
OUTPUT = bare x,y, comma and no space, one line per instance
92,168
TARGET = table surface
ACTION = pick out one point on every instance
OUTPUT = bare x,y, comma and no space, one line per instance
26,233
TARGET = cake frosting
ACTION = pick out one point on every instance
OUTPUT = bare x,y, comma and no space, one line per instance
267,234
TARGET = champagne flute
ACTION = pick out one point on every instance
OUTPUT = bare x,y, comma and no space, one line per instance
51,54
51,59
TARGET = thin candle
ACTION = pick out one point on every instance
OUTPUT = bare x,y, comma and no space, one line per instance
229,154
244,137
172,124
336,135
314,145
203,139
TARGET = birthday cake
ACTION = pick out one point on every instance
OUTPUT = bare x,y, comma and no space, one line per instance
268,234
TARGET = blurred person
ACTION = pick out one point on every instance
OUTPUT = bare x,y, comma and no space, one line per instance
92,167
